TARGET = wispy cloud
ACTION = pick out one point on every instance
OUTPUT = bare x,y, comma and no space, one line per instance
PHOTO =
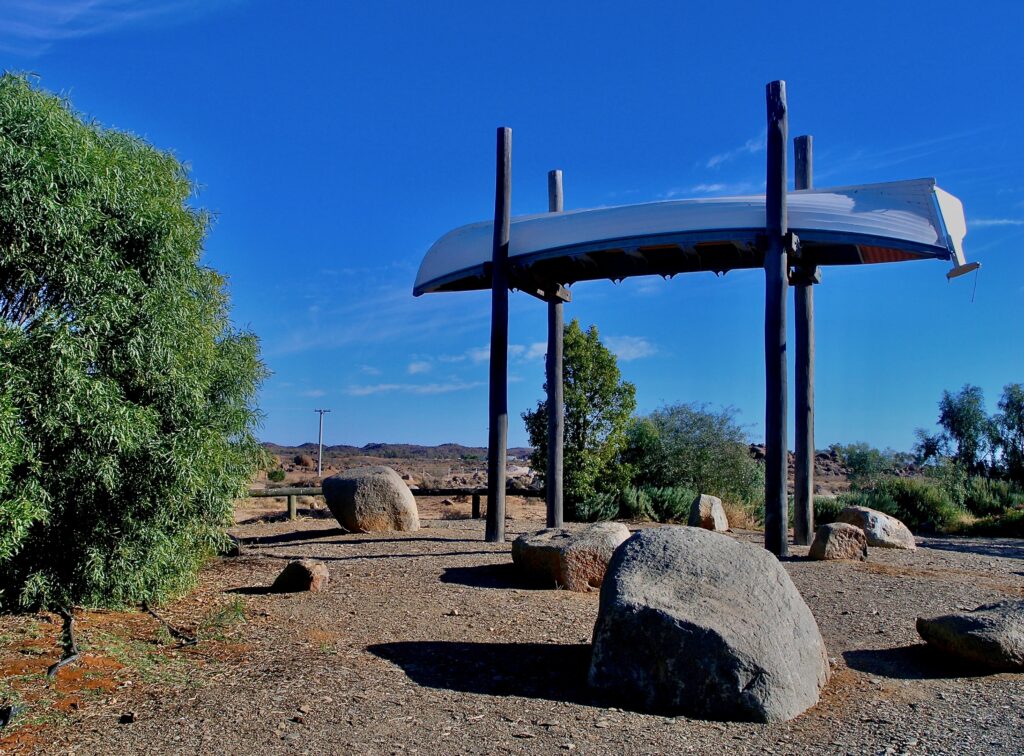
713,188
628,348
314,393
369,370
30,27
413,388
988,222
420,366
749,147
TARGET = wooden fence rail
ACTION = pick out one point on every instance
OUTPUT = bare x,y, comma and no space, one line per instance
293,493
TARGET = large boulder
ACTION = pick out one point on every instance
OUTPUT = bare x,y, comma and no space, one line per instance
839,540
991,635
696,623
568,558
707,512
882,530
371,499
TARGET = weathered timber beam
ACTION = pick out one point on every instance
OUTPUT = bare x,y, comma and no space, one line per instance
776,521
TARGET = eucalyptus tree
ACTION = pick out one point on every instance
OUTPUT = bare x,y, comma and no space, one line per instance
127,399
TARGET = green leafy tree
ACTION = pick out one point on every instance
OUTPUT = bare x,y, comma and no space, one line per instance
126,397
965,424
1009,424
598,405
707,450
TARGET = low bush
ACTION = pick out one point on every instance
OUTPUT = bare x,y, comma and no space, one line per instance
634,504
276,475
827,508
985,498
599,507
670,503
1007,525
922,505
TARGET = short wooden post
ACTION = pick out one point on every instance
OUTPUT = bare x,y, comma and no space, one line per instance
776,525
803,443
556,418
292,509
497,443
476,506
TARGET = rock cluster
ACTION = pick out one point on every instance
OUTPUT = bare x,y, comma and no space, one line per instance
371,499
575,559
693,622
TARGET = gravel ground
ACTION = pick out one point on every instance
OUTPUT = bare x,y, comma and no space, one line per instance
430,643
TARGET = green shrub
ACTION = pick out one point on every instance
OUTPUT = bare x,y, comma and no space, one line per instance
695,447
126,416
599,507
827,508
670,503
276,475
634,504
983,497
921,504
1008,525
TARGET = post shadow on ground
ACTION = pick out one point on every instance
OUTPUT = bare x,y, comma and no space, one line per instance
548,671
917,661
503,575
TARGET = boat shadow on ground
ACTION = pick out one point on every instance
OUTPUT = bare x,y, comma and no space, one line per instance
1006,548
914,662
505,575
549,671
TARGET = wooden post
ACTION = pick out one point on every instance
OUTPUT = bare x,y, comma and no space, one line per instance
476,506
292,509
776,525
556,418
497,443
803,491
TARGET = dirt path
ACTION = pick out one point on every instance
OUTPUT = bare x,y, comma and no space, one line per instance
429,643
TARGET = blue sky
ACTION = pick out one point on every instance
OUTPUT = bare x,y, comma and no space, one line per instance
336,141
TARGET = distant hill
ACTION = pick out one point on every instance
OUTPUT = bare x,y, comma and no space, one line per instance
397,451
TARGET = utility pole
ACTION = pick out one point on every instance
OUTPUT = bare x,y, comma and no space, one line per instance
320,453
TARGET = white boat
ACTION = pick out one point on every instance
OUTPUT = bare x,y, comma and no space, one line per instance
871,223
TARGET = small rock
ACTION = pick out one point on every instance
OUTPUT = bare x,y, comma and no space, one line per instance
707,512
302,575
839,540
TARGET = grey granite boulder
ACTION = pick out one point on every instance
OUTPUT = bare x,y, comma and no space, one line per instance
707,512
371,499
696,623
839,540
991,635
572,558
882,530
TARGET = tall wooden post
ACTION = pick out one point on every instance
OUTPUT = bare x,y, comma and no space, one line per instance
497,439
803,491
776,525
556,417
